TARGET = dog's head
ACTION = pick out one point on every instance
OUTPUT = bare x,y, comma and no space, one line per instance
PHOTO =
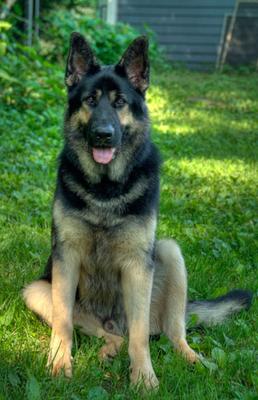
106,112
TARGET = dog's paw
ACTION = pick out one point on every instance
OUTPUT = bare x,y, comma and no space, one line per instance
145,376
107,352
189,354
59,358
59,364
111,348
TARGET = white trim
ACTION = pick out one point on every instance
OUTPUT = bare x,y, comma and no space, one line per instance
112,11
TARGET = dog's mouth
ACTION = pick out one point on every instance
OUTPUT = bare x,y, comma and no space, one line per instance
103,155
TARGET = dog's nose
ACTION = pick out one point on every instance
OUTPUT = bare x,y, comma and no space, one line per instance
103,134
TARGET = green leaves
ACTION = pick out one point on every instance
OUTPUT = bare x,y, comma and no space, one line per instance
7,77
14,378
219,356
97,393
108,41
33,388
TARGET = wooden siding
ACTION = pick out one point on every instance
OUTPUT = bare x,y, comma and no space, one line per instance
188,30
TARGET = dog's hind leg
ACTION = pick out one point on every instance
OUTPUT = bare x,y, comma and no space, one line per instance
38,298
169,297
92,326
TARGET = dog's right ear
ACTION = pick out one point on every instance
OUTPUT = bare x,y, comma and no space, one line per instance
81,60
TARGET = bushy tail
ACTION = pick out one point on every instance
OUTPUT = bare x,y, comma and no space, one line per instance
215,311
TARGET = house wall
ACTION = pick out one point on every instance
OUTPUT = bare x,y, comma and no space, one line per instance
189,30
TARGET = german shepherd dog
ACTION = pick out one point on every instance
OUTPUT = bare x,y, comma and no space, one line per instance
107,274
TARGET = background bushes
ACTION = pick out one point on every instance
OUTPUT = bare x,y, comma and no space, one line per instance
23,69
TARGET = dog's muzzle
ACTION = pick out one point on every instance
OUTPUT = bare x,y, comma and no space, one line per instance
102,141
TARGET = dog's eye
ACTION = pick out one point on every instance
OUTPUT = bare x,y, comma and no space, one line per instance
120,102
90,101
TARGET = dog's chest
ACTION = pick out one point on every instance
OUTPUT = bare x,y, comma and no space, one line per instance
100,281
105,215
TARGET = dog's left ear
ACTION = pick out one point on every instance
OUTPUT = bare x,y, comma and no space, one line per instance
81,60
135,63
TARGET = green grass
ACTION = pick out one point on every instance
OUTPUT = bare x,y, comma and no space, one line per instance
206,128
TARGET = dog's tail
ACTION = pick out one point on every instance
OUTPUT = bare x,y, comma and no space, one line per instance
215,311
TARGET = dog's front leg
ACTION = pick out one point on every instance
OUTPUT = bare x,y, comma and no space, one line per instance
65,276
137,280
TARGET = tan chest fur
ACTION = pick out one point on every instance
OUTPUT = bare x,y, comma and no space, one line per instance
104,253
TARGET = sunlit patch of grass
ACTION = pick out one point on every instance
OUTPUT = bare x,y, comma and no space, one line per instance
228,170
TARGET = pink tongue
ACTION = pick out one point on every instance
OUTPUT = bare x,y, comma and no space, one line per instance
103,156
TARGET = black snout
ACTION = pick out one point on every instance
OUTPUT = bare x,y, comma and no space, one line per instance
103,135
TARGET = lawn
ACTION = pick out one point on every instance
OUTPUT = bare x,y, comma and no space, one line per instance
206,128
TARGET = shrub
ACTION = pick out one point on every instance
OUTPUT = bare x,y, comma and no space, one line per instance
26,73
26,76
108,41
